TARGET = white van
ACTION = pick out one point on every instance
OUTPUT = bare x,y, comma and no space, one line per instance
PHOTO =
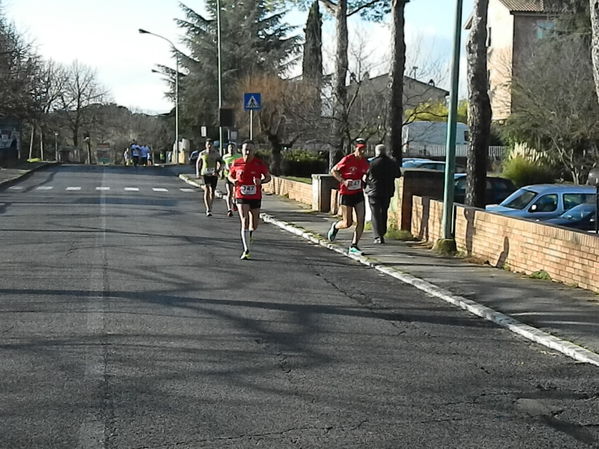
432,133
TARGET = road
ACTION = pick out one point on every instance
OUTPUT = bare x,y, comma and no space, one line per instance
127,320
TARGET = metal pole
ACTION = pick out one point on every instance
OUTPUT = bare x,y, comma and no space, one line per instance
220,81
176,106
142,31
251,124
447,222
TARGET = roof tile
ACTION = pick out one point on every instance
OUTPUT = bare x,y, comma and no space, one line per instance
524,5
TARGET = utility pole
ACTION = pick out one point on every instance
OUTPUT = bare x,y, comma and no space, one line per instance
447,222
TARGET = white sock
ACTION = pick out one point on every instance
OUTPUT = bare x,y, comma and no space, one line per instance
245,239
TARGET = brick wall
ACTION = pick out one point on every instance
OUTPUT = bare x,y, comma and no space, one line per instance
294,190
523,246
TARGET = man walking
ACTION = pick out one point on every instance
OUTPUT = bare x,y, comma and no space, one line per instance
208,166
380,187
247,174
350,172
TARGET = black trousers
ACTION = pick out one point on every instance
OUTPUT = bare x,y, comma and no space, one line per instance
379,207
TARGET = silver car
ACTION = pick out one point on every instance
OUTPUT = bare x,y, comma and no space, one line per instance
544,201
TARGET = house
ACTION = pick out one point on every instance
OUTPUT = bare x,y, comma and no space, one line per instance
513,28
373,92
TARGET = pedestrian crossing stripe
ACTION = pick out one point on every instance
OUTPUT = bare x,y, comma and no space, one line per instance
104,188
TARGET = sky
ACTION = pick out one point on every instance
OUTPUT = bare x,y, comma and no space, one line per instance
104,35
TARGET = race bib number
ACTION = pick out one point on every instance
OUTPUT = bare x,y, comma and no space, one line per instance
248,190
354,184
210,171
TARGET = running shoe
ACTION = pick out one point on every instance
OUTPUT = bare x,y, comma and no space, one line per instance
245,255
332,232
229,213
354,250
209,213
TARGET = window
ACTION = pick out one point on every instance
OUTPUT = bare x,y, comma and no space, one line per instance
520,199
574,199
547,203
543,28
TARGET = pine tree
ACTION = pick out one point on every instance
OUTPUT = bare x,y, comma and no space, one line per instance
312,61
255,40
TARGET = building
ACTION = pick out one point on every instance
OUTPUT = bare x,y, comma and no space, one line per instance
513,28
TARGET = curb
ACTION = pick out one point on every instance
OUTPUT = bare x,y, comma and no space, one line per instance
196,183
572,350
25,175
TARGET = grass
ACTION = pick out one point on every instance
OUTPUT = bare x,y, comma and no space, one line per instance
399,234
541,274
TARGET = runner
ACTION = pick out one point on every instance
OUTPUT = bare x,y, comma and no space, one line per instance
208,165
350,172
229,158
247,174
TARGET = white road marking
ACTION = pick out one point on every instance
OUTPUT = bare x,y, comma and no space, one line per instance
132,189
102,188
159,189
44,188
73,188
92,431
16,188
187,190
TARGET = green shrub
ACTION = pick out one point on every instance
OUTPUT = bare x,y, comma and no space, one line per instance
523,171
302,163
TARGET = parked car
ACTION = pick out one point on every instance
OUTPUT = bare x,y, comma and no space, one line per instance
581,217
544,201
497,189
423,163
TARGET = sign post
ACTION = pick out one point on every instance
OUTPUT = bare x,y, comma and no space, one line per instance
252,102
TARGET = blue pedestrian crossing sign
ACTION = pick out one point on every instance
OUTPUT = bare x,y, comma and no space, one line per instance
252,101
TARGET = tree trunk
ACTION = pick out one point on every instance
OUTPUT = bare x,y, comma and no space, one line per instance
398,64
595,42
341,67
31,141
275,147
41,143
479,114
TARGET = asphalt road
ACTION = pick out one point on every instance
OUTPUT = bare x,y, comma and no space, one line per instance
127,320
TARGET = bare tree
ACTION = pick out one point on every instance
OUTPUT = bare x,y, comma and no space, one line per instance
555,107
479,116
81,89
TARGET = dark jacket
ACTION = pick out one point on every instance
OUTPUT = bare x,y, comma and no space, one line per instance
380,179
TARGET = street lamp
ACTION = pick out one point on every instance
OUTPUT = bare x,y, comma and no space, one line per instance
448,197
220,80
142,31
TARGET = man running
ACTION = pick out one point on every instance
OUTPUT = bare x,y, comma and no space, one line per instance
247,174
208,166
230,157
350,172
